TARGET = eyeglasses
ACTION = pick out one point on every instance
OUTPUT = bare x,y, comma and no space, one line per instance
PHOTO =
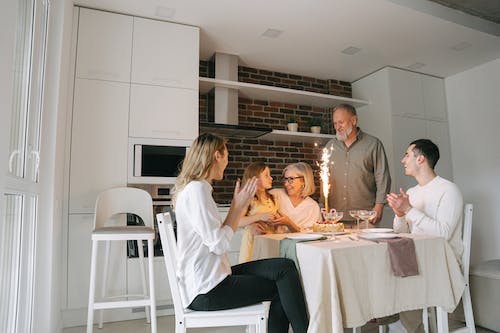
291,180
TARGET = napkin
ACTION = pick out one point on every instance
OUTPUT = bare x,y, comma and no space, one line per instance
402,255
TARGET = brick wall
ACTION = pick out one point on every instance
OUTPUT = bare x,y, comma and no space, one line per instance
276,154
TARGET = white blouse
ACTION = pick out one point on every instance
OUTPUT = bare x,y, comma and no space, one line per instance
304,215
202,242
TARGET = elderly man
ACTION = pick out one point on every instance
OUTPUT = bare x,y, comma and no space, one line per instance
433,207
359,170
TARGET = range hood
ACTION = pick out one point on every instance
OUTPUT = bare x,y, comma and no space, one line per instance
223,104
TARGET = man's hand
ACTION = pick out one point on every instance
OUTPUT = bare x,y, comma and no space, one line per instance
400,203
379,208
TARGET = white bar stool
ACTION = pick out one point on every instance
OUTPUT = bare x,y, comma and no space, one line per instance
115,201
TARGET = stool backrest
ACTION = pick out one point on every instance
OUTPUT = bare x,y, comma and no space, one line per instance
466,238
122,200
169,245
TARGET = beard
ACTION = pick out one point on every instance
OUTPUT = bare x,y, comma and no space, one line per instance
343,137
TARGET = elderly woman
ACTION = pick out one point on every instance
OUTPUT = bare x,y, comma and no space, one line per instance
207,280
297,210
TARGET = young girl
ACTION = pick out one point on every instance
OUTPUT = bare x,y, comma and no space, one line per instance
206,279
261,211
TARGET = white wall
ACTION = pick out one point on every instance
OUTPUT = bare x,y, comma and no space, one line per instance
473,99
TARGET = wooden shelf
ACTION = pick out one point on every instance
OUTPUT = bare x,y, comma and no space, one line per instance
287,136
277,94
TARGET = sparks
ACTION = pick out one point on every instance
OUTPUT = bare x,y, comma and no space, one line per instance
324,173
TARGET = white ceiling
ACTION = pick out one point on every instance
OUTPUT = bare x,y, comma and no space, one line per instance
396,33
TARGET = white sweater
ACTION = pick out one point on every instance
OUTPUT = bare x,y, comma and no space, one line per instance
436,210
202,242
304,215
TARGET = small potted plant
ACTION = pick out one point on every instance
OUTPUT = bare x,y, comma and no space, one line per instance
315,125
292,125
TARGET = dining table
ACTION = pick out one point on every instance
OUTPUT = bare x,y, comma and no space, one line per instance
348,280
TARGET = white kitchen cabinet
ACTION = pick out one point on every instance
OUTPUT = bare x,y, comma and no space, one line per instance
386,118
434,97
79,254
163,112
405,91
104,46
165,54
99,137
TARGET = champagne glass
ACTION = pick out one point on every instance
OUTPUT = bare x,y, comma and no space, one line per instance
367,215
336,216
355,214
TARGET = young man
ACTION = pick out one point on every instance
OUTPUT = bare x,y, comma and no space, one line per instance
359,174
433,207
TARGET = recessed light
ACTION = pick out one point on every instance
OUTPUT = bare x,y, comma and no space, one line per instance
416,66
461,46
351,50
272,33
165,12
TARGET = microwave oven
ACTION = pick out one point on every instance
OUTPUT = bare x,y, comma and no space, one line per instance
155,162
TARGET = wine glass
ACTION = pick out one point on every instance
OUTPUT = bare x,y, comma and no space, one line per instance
367,215
336,216
355,214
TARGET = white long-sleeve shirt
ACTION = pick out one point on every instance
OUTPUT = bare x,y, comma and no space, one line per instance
436,210
202,241
304,215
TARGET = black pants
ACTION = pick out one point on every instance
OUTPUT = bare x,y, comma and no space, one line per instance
275,280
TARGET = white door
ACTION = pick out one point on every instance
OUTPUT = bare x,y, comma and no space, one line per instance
24,31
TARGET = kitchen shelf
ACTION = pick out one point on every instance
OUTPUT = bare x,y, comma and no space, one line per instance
277,94
279,135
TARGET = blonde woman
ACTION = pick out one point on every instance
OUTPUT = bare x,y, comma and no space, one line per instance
207,281
297,209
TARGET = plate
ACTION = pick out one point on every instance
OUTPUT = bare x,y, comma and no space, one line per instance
305,236
377,230
336,233
378,235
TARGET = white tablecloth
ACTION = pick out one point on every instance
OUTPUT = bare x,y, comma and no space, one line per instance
347,283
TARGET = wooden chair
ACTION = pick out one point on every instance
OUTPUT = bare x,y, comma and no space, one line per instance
254,315
109,203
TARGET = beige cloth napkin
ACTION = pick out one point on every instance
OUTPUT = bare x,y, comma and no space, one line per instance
402,255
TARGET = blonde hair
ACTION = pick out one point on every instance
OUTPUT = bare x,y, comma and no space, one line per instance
304,170
254,170
199,158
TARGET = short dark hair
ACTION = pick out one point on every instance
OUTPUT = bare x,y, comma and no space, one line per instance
427,148
348,107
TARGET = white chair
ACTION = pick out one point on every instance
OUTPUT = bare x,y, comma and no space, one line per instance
442,316
110,203
254,315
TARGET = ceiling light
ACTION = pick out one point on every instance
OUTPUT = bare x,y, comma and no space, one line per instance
272,33
165,12
461,46
416,66
351,50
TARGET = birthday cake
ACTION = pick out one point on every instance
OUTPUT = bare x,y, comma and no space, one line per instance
328,226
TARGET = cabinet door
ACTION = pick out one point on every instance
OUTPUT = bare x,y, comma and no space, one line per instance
104,46
163,112
406,93
79,253
438,132
434,97
165,54
98,141
405,130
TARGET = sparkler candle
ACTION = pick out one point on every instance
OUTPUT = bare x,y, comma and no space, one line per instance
324,173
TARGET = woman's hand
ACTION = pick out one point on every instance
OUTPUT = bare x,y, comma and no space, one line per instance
242,196
282,219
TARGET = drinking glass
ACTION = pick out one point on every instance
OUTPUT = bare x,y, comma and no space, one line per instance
367,215
336,216
355,214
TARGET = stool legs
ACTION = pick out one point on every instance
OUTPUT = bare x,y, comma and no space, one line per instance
143,276
104,279
469,316
90,314
152,297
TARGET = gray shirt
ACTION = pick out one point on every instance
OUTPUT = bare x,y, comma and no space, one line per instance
359,175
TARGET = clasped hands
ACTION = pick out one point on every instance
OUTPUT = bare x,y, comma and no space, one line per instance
400,203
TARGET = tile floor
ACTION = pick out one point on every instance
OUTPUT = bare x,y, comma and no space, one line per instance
166,325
